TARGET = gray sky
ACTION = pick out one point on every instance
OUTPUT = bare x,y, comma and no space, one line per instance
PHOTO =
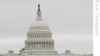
69,20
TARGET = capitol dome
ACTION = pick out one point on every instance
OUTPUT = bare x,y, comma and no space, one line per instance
39,23
39,36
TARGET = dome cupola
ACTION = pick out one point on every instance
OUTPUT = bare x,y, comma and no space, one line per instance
39,23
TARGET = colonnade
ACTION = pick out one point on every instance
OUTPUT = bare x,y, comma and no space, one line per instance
39,45
39,35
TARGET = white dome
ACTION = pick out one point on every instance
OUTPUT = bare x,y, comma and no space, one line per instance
39,25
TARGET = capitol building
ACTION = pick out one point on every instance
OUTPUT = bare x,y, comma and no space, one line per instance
39,41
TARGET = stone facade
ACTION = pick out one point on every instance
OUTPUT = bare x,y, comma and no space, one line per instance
39,37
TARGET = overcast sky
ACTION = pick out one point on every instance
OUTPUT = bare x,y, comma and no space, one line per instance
70,22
